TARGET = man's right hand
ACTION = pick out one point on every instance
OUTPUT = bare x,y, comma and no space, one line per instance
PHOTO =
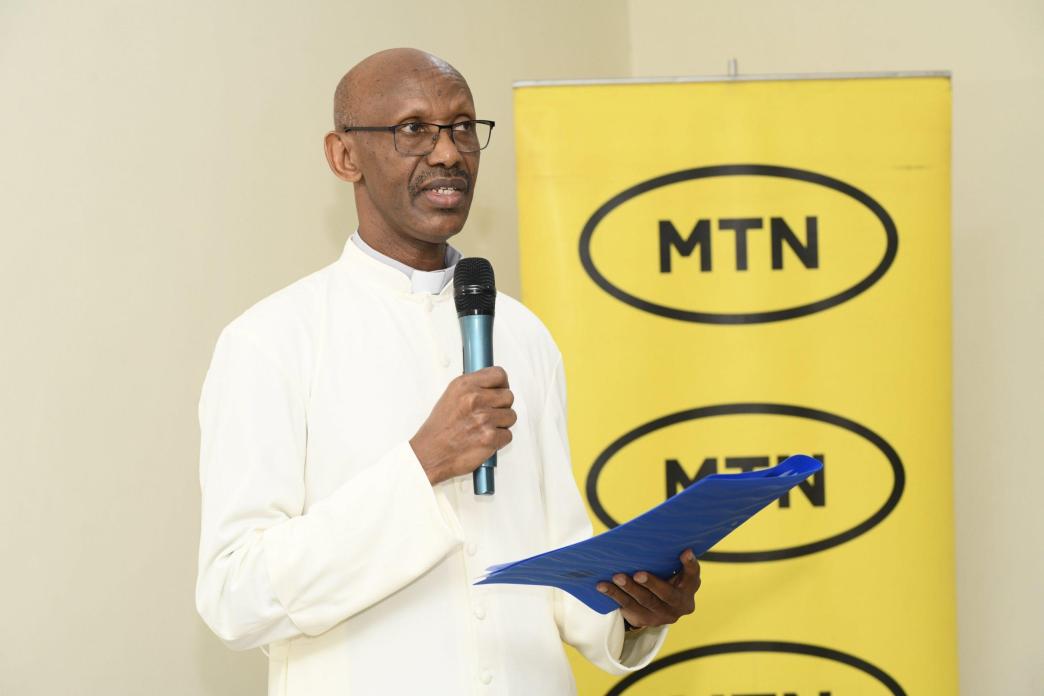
468,424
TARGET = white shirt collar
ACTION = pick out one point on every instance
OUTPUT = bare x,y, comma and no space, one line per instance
428,282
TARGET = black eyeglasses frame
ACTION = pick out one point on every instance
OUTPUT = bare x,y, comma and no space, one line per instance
435,138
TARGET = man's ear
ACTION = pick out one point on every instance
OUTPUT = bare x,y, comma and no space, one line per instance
340,155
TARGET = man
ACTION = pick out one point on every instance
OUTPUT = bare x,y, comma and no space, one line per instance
338,438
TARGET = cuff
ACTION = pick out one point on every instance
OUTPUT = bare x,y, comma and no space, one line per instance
630,651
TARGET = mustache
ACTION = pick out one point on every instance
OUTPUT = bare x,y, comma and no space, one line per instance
417,185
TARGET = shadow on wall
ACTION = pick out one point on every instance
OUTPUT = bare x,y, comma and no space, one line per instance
339,218
226,672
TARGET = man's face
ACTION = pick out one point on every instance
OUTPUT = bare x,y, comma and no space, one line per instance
427,197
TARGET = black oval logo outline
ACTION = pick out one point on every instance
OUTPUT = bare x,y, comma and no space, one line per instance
891,248
898,473
759,646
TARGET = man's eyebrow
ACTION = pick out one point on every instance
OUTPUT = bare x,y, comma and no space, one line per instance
416,111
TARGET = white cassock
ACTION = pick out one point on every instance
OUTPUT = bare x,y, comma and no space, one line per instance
321,535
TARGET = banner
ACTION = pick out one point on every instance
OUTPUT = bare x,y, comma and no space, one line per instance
736,271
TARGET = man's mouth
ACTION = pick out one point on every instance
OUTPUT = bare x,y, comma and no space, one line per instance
445,189
445,192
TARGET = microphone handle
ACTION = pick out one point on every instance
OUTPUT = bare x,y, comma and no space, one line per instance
476,331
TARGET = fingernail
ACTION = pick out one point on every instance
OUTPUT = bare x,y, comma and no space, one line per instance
641,577
602,588
620,580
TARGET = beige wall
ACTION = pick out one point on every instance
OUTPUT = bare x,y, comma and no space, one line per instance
996,53
160,170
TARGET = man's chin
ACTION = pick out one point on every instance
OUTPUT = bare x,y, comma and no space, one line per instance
438,234
439,224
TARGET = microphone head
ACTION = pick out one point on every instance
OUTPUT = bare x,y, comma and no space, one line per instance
474,291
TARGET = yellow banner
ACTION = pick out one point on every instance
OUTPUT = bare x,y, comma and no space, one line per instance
739,271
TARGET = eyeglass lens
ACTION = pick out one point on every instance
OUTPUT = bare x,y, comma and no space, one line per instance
420,138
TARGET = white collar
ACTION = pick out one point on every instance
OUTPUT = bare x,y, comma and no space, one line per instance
427,282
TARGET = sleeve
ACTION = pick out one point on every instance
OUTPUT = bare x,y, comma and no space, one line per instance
599,637
267,570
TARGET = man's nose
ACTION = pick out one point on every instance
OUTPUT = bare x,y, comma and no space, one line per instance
445,152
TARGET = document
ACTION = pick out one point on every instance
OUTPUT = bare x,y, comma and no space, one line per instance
697,518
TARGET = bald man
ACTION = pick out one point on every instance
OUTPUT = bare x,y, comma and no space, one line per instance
338,437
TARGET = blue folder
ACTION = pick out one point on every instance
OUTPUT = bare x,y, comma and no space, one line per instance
696,518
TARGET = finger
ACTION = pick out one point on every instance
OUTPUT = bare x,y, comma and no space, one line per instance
503,417
688,580
640,594
614,593
664,590
497,398
503,438
489,377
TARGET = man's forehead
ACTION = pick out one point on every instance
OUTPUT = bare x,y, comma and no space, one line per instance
417,93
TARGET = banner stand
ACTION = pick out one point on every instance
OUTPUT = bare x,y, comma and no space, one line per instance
738,269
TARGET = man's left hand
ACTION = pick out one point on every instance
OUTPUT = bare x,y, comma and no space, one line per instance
646,600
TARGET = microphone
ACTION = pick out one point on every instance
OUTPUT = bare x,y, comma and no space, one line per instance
475,295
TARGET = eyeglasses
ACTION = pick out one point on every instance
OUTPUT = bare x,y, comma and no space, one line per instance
420,138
